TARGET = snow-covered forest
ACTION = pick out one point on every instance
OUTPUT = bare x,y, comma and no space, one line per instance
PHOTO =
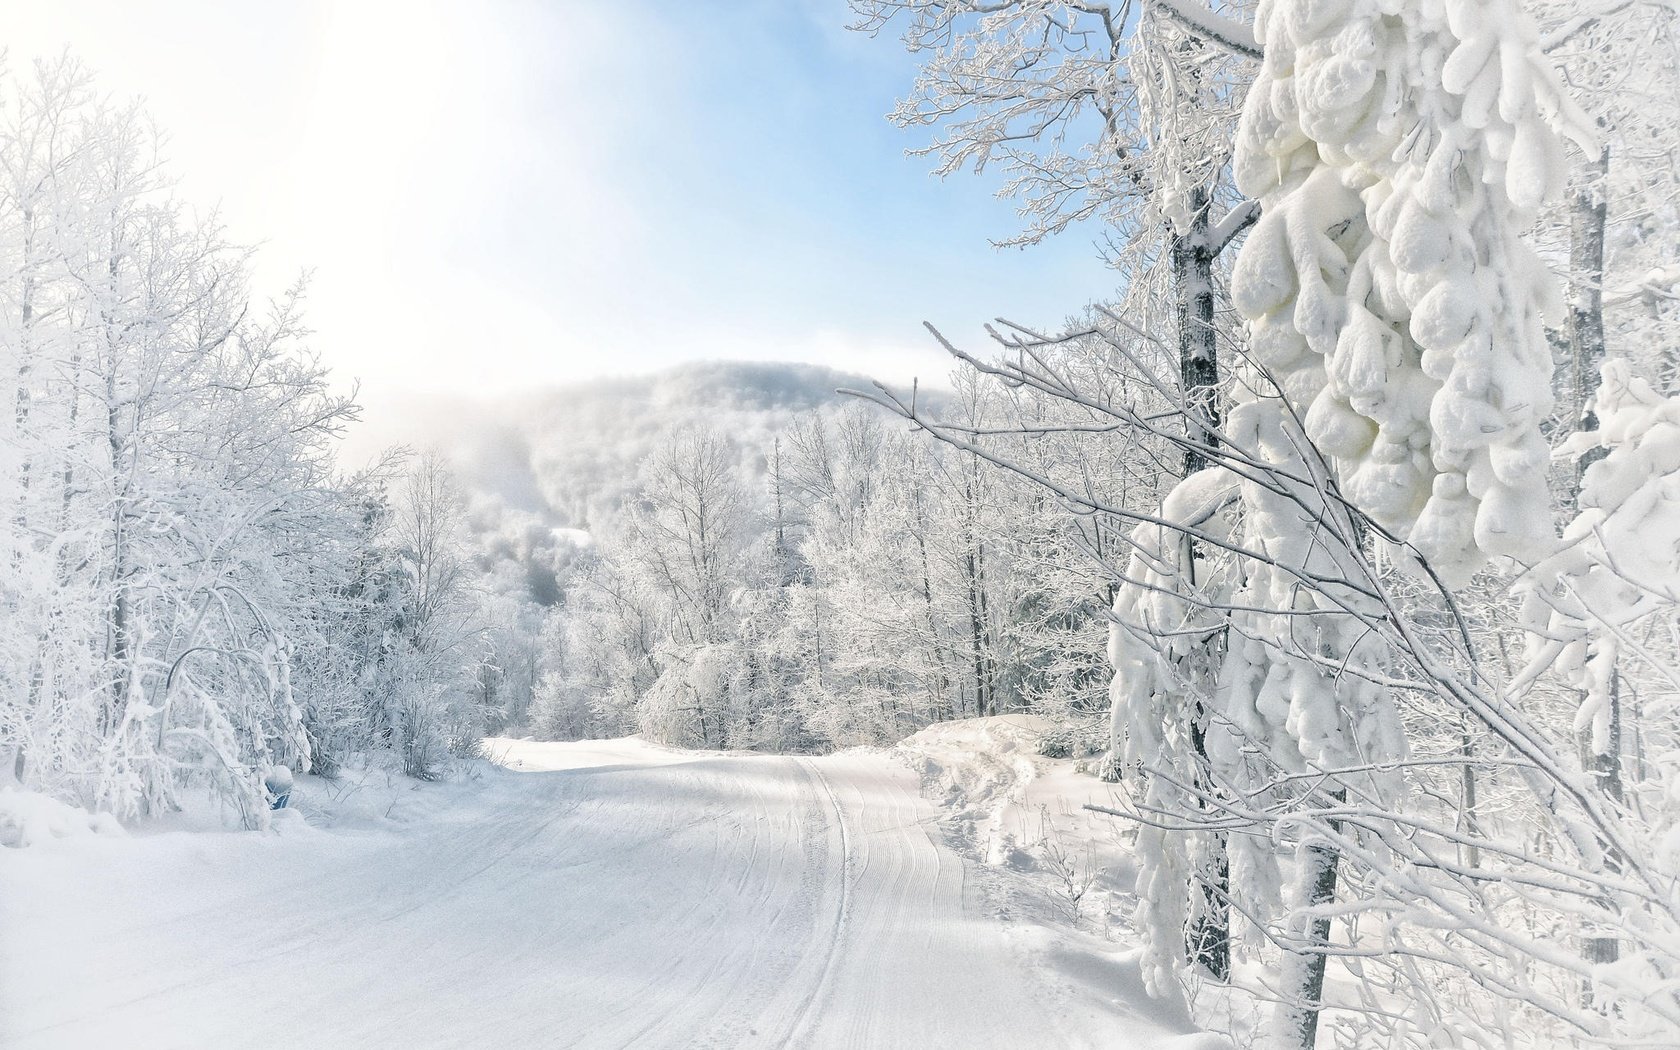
1328,572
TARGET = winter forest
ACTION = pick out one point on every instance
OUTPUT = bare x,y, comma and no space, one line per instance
1281,651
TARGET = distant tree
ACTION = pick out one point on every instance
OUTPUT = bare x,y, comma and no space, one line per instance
442,641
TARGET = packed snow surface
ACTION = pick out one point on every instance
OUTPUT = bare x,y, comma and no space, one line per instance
598,894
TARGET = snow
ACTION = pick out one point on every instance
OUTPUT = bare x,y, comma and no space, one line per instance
1025,817
1618,569
993,783
1398,151
596,894
29,817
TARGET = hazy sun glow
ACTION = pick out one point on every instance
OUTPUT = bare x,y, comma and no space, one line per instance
504,196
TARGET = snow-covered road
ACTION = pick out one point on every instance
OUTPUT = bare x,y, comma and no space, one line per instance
607,895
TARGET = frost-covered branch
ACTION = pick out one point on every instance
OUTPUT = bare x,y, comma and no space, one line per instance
1213,27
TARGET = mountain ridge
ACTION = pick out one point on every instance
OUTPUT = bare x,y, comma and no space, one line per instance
569,455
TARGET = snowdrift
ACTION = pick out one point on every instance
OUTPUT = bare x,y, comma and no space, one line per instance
29,817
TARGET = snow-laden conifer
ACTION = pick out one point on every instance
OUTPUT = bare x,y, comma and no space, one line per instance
1399,149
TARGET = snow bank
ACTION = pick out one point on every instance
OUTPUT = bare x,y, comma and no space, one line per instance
979,769
1015,810
1060,875
29,817
534,756
371,793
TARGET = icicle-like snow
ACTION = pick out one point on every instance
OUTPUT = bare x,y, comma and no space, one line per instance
1620,558
1399,149
1164,665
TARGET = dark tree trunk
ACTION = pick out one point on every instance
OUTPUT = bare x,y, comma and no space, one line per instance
1193,253
1588,208
1208,938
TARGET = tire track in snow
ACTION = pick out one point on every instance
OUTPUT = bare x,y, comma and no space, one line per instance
821,987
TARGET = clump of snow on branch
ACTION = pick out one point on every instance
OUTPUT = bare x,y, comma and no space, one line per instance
1620,560
1399,149
1158,645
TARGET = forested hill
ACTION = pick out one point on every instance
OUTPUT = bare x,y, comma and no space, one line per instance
569,455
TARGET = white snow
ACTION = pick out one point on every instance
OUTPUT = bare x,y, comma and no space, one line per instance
599,894
29,817
1399,150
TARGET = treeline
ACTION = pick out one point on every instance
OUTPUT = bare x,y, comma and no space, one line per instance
196,592
845,582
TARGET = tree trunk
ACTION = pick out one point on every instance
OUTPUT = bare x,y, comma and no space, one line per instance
1468,821
987,663
1589,208
1198,348
25,370
976,645
1208,938
974,571
817,641
941,678
1605,769
1295,1025
117,624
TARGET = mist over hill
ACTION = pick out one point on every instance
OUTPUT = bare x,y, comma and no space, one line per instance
569,455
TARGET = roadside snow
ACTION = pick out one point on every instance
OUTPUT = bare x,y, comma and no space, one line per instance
28,817
1005,801
1059,875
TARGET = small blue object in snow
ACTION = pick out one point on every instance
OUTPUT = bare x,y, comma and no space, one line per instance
279,785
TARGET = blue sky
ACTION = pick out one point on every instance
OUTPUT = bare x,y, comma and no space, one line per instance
497,196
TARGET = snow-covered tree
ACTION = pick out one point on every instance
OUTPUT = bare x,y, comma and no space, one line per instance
1604,608
194,594
1399,158
169,460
